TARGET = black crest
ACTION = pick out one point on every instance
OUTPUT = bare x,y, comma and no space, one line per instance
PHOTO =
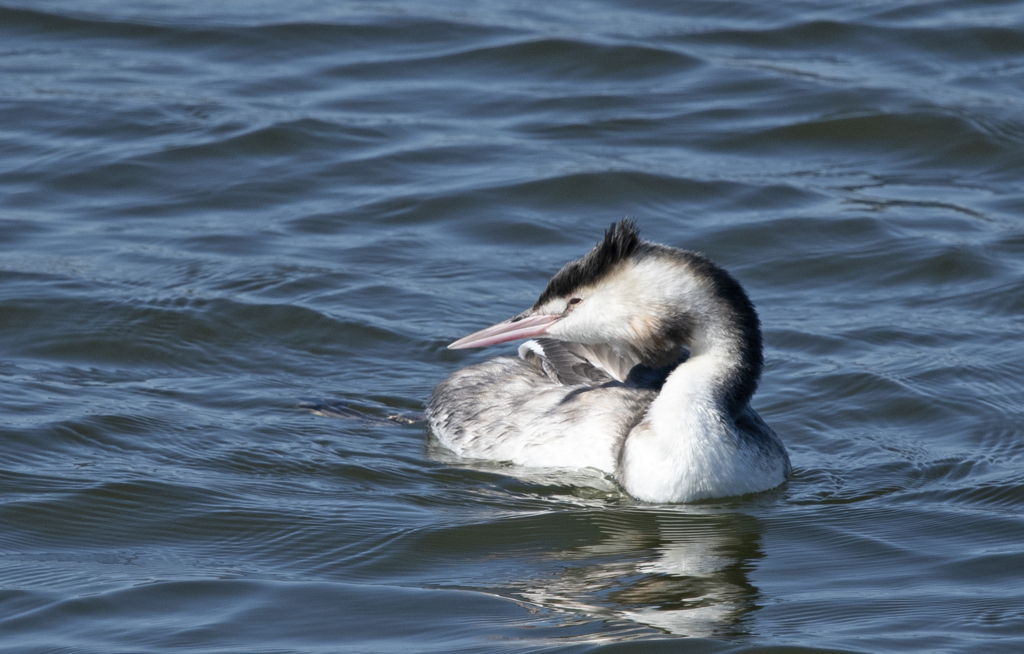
619,243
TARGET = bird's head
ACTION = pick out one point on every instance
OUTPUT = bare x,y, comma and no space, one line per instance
624,293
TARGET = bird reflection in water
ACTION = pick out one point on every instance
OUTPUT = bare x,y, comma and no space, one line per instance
690,577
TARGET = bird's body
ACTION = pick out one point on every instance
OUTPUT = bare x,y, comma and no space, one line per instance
508,409
644,365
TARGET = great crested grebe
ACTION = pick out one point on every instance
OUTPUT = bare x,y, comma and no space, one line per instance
643,365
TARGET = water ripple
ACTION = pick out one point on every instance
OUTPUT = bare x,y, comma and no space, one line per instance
215,217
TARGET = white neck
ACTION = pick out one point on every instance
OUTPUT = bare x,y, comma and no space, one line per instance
686,447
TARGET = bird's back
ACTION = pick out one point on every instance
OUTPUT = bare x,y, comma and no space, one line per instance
534,411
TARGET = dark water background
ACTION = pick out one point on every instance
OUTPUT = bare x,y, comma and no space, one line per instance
209,211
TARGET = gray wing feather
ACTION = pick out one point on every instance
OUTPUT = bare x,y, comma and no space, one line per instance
572,364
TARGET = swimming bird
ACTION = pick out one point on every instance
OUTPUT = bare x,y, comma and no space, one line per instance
642,364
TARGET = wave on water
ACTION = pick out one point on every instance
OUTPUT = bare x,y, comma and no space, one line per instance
210,214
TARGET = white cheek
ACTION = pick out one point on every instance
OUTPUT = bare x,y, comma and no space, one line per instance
590,322
563,330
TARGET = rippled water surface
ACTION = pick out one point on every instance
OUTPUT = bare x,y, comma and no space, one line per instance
211,213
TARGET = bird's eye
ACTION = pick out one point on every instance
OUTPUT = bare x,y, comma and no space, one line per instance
575,301
516,318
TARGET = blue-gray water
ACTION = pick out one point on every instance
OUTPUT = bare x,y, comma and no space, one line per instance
212,210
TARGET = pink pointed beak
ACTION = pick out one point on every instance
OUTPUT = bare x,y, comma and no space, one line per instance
510,330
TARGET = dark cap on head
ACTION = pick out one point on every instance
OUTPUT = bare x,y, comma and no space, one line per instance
619,243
